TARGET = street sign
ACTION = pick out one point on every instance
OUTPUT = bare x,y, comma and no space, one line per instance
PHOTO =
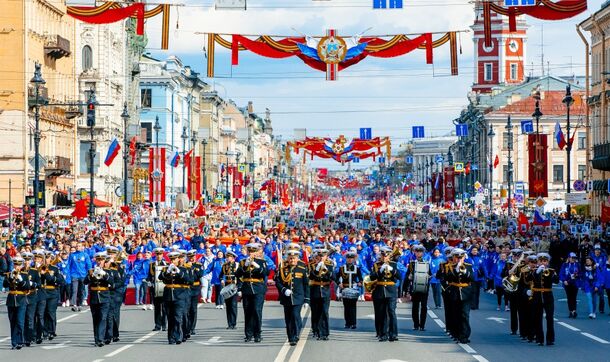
527,126
579,185
589,185
387,4
539,202
519,198
477,185
366,134
409,159
356,160
579,198
409,175
230,4
461,130
439,159
474,167
486,192
418,131
519,187
519,2
480,190
458,167
381,159
241,168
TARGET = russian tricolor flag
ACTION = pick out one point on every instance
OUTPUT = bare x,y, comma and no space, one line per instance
175,159
113,151
541,220
561,139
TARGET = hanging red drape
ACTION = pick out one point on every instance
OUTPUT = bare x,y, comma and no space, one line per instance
256,47
407,46
110,15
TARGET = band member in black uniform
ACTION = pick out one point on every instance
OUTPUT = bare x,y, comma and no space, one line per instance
156,292
293,286
196,275
350,277
100,281
177,289
513,271
460,276
32,299
227,277
117,293
186,323
19,286
419,297
320,276
543,301
441,275
252,271
385,274
526,310
41,301
52,281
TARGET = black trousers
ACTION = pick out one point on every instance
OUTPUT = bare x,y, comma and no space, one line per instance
231,308
292,317
41,305
253,314
16,318
349,311
450,314
160,313
319,315
500,292
387,310
175,319
524,314
186,323
114,315
99,313
378,318
513,301
463,322
419,309
544,302
50,314
192,311
476,293
30,326
571,293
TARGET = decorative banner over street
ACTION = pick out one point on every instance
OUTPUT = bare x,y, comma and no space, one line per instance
331,53
538,168
156,173
340,150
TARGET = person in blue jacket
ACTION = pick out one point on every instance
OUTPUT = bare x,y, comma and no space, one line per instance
79,264
477,276
435,284
139,272
590,283
496,274
64,291
569,276
605,278
599,259
215,268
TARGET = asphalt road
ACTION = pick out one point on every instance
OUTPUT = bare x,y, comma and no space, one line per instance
581,339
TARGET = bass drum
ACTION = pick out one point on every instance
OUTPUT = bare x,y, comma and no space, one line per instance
421,277
228,291
350,293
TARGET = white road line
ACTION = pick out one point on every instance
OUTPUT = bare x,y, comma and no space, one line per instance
4,339
66,318
603,341
467,348
432,314
569,326
127,346
440,323
480,358
97,360
296,355
281,356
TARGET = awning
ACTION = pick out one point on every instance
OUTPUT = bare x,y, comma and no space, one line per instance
4,211
98,203
62,212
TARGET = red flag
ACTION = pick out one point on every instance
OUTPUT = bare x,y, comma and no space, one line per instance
605,215
496,161
311,208
375,204
187,157
126,210
320,211
200,209
80,209
524,223
132,149
467,169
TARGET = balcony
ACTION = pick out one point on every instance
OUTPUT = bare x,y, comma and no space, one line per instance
227,131
601,157
59,167
57,47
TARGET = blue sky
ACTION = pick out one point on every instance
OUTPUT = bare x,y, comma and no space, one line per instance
389,95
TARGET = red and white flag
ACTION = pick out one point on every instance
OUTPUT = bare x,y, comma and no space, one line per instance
156,173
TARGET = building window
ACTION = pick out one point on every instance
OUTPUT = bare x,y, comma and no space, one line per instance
146,97
582,171
89,86
557,173
488,72
147,127
582,140
87,58
505,173
514,71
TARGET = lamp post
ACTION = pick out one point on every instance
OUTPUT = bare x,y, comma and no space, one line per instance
193,163
509,129
490,136
568,101
426,178
184,137
157,128
227,193
204,144
252,167
91,108
236,169
125,116
37,81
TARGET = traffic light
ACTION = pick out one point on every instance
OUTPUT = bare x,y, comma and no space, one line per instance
90,114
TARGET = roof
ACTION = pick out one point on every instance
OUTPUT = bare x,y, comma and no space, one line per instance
550,104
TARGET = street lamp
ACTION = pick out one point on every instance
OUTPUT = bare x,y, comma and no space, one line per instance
490,136
37,81
236,169
194,196
125,116
568,101
157,128
91,103
184,137
509,129
204,144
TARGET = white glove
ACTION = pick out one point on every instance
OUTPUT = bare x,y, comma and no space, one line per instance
320,265
540,269
382,269
102,272
287,292
305,305
389,268
239,294
248,261
255,265
19,277
529,293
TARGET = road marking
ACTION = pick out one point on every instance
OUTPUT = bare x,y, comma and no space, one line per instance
480,358
127,346
296,355
281,356
603,341
467,348
4,339
432,314
66,318
440,323
57,346
97,360
569,326
211,341
497,319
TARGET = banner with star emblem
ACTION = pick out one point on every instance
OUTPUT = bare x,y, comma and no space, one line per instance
193,172
538,169
156,173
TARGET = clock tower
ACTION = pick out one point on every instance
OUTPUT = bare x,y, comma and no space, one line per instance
503,62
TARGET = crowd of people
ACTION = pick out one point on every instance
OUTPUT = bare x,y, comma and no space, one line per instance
390,252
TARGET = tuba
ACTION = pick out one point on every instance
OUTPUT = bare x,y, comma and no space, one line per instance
369,284
511,282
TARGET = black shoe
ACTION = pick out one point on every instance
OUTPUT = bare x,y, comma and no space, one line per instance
172,342
575,315
393,339
383,339
39,341
247,339
19,346
541,344
183,339
51,337
464,341
78,309
27,344
187,336
178,342
416,328
258,339
106,341
347,326
293,343
550,343
115,339
513,333
156,329
73,309
422,329
193,333
164,329
229,327
99,344
325,338
354,326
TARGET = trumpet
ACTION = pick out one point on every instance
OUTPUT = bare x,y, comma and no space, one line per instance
173,269
14,274
98,273
369,284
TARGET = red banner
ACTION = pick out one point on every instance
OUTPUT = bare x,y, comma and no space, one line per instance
538,168
194,178
156,174
449,184
238,182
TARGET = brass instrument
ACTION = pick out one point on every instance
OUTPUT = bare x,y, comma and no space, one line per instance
369,284
14,274
546,272
332,249
396,253
511,282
